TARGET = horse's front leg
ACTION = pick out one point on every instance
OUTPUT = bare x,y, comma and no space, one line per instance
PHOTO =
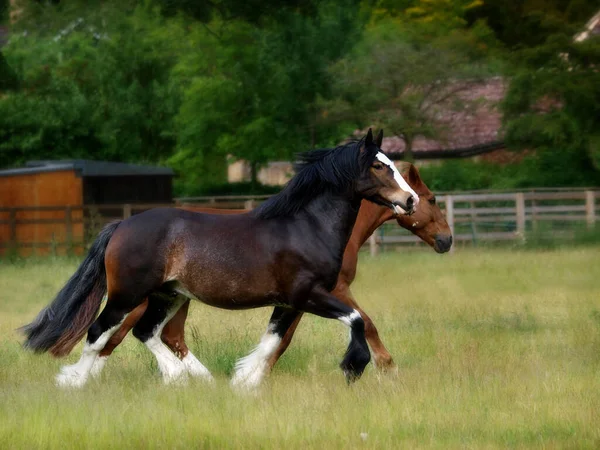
251,369
382,358
357,356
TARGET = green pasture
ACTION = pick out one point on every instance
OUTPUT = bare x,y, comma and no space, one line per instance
495,348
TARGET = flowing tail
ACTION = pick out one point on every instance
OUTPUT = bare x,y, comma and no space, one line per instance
60,325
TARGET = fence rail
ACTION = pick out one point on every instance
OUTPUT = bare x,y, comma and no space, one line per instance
480,217
472,217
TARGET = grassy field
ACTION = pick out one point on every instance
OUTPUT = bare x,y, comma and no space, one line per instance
496,349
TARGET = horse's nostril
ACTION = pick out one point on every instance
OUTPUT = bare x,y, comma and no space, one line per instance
410,202
443,242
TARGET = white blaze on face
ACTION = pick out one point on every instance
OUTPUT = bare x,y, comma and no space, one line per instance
399,179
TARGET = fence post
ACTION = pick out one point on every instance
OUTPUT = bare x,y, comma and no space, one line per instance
450,219
249,204
520,210
69,229
373,246
13,230
533,215
590,208
473,220
126,211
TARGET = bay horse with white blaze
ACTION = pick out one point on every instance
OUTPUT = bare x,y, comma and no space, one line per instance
286,253
428,223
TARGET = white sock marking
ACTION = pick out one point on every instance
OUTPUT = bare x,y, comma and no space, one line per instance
76,375
350,318
195,368
251,369
98,366
171,368
398,177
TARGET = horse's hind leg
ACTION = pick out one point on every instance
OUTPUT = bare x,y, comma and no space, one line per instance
250,370
173,335
117,338
285,342
107,323
161,308
382,358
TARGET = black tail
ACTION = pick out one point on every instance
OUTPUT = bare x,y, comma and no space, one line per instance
60,325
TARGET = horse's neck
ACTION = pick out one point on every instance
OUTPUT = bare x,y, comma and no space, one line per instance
336,215
370,217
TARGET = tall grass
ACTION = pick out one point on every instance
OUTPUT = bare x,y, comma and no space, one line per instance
496,349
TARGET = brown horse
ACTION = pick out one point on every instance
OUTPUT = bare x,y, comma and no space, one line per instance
428,223
287,253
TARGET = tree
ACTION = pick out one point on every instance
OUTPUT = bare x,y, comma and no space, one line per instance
95,92
251,11
447,14
250,92
399,80
187,83
528,23
8,79
553,105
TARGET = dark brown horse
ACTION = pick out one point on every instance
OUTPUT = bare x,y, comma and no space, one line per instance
286,253
428,222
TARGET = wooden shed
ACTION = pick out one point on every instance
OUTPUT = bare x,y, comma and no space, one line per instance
49,204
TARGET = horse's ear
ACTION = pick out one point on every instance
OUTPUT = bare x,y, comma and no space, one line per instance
379,138
369,138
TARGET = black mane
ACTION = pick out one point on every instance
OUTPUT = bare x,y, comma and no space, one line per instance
318,171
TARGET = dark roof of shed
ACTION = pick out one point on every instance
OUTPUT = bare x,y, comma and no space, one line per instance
87,168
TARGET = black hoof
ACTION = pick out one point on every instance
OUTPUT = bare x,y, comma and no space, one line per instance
354,363
351,376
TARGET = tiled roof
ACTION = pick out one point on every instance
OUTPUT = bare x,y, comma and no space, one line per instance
87,168
473,129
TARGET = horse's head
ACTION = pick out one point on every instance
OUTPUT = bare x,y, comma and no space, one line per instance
381,182
428,222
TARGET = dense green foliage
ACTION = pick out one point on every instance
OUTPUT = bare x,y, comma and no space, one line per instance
194,85
410,73
556,109
528,23
546,170
4,10
91,98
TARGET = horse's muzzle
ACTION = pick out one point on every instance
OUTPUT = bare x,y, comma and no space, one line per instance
443,242
407,208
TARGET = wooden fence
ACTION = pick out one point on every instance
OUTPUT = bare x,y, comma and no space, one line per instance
40,230
472,217
480,217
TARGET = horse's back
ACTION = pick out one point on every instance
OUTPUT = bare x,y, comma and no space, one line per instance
160,228
198,249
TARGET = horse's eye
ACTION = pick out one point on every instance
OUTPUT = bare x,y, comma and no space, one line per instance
378,166
432,201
